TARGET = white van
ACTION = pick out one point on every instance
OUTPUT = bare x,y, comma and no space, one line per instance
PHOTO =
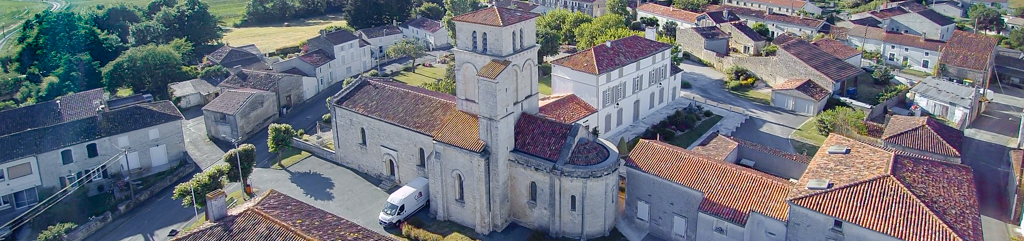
405,202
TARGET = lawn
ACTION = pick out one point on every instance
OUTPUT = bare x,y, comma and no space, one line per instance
752,95
12,12
809,132
689,137
270,38
421,76
545,85
229,11
291,156
1016,3
238,197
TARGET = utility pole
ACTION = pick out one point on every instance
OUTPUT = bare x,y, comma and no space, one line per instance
193,189
128,174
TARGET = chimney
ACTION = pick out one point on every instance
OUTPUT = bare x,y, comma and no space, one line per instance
323,32
216,205
725,15
608,44
651,33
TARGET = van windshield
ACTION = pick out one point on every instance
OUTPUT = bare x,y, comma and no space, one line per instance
390,209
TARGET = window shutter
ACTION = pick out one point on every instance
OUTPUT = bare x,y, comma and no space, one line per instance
642,210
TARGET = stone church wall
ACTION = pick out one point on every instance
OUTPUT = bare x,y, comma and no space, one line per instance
445,164
384,140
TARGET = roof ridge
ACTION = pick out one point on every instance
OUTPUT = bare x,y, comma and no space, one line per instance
729,165
844,186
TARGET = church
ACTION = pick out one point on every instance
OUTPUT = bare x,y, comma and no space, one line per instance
493,154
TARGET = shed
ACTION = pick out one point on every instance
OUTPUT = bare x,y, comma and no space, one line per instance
951,101
802,96
194,92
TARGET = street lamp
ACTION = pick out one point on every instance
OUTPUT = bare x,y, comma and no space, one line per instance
193,189
238,158
128,173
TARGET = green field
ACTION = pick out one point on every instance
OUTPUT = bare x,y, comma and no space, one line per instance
13,12
229,11
1016,3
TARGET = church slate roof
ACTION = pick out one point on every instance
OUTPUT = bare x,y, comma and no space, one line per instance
496,16
565,108
116,121
276,216
65,109
540,136
923,133
904,196
612,55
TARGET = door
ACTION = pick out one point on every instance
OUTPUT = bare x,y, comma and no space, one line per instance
158,155
132,161
636,110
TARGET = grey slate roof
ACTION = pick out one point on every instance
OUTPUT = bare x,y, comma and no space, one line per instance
192,86
376,32
868,21
945,91
936,17
260,80
711,33
229,101
248,57
339,37
67,108
114,122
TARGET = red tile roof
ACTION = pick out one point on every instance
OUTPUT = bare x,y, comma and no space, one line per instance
516,4
587,153
565,108
774,17
906,197
783,3
678,15
428,112
925,134
494,68
276,216
804,86
968,50
601,58
716,146
833,68
316,58
912,41
541,137
496,16
731,192
836,48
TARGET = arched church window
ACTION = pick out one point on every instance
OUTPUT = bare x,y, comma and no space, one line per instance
572,203
521,38
423,158
458,188
474,40
362,136
485,42
533,191
513,40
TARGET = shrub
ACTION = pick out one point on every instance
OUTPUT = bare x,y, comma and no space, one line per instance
891,91
686,85
288,50
666,134
417,234
708,113
409,68
748,82
882,75
733,85
457,237
545,69
348,81
57,232
841,120
326,118
372,73
770,50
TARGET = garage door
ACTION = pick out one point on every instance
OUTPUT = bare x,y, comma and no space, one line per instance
158,155
803,106
132,161
782,101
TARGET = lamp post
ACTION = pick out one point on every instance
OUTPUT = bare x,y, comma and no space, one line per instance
128,173
238,158
193,189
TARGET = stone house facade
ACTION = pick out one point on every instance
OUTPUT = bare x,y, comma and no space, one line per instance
594,8
896,49
430,32
777,23
743,39
289,89
627,82
343,55
788,7
238,114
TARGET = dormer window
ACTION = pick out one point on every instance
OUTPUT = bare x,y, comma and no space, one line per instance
474,40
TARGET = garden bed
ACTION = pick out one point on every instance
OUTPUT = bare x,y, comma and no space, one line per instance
682,128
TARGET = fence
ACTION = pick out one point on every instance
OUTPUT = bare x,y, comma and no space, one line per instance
314,149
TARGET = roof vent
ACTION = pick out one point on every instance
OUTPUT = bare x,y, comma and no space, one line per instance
838,149
608,44
818,184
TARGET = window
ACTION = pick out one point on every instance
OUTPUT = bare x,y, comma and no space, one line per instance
905,49
642,210
2,175
458,188
5,201
679,226
638,83
401,209
362,136
607,123
572,203
484,42
513,40
18,171
423,158
25,198
66,157
521,38
924,63
892,46
154,133
661,96
837,226
652,101
892,57
533,192
91,150
100,173
618,117
926,53
474,40
720,230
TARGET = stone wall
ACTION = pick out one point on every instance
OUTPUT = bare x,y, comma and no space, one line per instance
316,150
85,230
881,108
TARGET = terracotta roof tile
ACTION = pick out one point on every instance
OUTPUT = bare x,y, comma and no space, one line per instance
427,24
925,134
968,50
783,3
565,108
911,40
831,67
909,198
836,48
601,58
316,58
276,216
494,68
804,86
541,137
731,192
461,130
678,15
774,17
515,4
716,147
587,153
496,16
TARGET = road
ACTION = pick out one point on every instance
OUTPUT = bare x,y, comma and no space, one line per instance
10,32
768,125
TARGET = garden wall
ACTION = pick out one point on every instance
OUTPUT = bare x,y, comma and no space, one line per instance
85,230
314,149
882,108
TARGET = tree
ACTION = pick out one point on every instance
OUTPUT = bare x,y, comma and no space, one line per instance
156,6
190,20
986,18
406,48
147,32
762,29
842,120
882,74
456,8
669,29
57,232
116,19
247,154
280,137
441,85
649,21
201,184
600,30
691,5
430,10
1018,12
371,13
147,68
564,23
548,41
1016,39
214,72
621,8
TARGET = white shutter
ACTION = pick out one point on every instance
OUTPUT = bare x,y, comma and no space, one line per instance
679,226
642,210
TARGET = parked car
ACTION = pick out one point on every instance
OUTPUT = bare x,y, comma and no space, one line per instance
405,202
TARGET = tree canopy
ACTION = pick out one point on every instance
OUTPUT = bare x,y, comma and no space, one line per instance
406,48
563,23
246,154
986,18
201,184
456,8
691,5
842,120
279,137
548,41
147,68
372,13
603,28
430,10
621,8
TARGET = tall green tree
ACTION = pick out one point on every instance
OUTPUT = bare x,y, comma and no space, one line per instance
691,5
986,18
456,8
430,10
279,138
600,30
371,13
406,48
148,32
762,30
649,21
669,30
564,23
117,19
1016,39
190,20
246,154
147,68
621,8
201,184
548,41
156,6
842,120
